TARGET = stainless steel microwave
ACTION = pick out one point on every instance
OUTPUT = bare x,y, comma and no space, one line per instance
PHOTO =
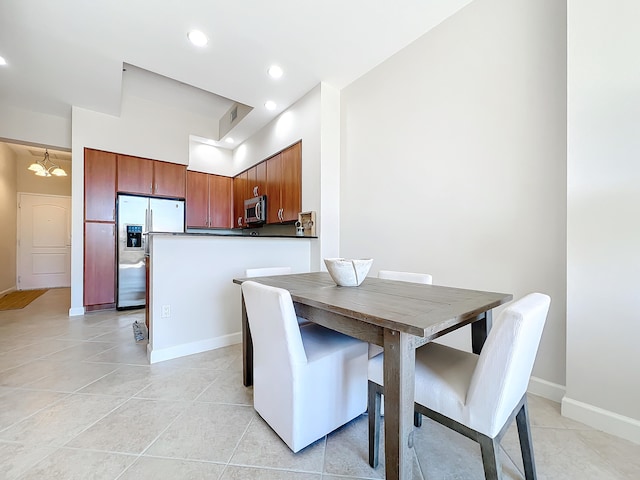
255,210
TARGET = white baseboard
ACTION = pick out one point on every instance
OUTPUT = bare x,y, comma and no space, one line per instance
75,311
546,389
160,355
600,419
8,290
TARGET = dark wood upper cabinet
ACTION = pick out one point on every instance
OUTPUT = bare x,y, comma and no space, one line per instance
169,179
135,175
209,200
240,188
151,177
220,203
274,173
291,186
197,204
256,180
284,185
99,185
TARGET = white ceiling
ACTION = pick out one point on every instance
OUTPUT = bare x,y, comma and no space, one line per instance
72,52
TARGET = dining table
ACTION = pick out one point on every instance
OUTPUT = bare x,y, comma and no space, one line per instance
398,316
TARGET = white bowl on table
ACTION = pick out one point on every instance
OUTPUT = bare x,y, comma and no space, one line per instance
348,272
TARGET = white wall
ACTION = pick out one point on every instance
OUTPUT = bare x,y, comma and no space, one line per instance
8,218
453,160
320,159
603,299
34,128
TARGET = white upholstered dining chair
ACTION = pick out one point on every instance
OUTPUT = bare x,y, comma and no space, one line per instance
268,271
476,395
307,380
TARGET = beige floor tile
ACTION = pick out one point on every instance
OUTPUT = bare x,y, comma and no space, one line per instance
545,413
125,380
347,454
261,447
150,468
18,404
623,456
250,473
62,421
208,432
79,352
561,455
16,458
130,428
69,464
219,359
42,350
228,388
178,384
71,376
127,353
30,372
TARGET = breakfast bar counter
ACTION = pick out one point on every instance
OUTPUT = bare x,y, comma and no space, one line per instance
193,305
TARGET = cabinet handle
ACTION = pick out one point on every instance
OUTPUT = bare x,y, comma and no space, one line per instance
255,191
113,214
151,187
239,221
156,190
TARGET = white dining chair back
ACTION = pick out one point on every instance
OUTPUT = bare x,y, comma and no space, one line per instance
266,271
307,380
477,395
406,276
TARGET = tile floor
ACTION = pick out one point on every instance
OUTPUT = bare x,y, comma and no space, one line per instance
79,401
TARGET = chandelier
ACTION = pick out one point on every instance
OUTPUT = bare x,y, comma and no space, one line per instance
46,168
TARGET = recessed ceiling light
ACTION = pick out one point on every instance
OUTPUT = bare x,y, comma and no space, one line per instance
275,71
228,140
198,38
270,105
2,61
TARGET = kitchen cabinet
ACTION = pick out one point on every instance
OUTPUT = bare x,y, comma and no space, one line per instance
151,177
169,179
256,180
208,200
99,185
240,189
99,265
220,201
284,185
135,175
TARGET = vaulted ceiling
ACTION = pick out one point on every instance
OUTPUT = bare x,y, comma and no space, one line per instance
72,52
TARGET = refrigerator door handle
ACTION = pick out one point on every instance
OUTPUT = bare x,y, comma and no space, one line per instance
151,219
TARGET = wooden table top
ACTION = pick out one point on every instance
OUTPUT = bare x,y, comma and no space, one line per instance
417,309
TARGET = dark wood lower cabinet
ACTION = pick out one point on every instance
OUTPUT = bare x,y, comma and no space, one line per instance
99,265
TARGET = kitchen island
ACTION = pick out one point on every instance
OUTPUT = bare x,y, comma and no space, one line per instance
193,304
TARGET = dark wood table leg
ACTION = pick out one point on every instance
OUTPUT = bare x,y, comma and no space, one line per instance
399,385
247,349
479,332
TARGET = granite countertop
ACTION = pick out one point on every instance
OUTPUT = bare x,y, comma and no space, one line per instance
220,234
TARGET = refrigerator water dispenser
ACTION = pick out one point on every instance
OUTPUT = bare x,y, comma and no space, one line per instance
134,236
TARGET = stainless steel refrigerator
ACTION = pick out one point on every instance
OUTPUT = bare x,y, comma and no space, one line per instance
137,216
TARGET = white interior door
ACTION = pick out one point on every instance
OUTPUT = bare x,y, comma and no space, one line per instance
44,241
